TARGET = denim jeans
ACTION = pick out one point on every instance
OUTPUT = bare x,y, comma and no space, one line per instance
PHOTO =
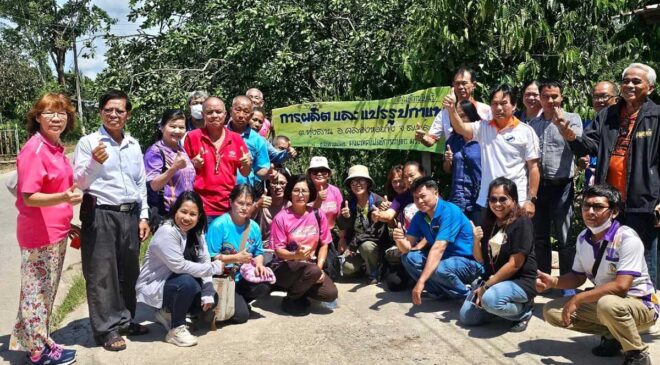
182,294
505,300
642,223
449,279
554,209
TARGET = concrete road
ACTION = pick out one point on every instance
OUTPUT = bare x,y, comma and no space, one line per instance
370,326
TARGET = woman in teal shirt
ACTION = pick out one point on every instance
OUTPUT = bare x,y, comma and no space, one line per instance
224,242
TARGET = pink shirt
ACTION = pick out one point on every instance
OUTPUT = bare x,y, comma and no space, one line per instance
42,167
331,206
265,128
290,230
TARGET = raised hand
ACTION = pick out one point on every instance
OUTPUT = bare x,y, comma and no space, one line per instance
478,233
265,201
398,234
246,160
292,152
179,162
449,102
198,161
345,212
99,153
449,155
71,196
385,204
323,194
419,132
583,162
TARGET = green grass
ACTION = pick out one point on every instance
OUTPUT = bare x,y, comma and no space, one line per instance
75,297
143,249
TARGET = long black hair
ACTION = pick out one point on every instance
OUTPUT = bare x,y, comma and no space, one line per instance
469,110
201,221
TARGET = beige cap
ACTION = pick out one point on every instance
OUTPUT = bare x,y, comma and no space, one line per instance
318,162
358,171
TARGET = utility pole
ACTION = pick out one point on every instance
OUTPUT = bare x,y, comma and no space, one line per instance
78,96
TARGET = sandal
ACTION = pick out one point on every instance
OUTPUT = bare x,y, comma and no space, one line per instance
115,343
134,329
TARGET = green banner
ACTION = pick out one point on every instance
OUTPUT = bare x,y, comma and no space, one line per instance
376,124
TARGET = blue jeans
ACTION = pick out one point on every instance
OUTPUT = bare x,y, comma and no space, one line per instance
505,300
182,294
449,279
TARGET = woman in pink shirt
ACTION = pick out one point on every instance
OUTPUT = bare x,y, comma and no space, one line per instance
329,197
45,194
300,237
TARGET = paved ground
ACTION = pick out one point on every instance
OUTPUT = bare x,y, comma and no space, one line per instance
370,326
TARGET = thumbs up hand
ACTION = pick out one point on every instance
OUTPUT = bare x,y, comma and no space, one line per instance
264,201
478,233
345,212
198,161
449,102
419,132
449,155
179,162
323,194
398,233
385,204
99,154
71,196
246,160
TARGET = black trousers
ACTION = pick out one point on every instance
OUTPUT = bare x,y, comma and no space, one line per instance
110,249
246,292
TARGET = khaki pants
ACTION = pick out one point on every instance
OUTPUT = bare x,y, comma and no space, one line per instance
367,253
611,316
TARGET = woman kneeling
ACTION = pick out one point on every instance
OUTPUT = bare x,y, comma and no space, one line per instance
507,254
296,233
177,270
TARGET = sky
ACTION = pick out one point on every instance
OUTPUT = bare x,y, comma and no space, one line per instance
119,10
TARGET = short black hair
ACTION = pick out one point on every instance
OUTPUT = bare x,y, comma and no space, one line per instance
550,83
288,190
241,189
424,181
462,70
505,89
419,166
112,95
607,191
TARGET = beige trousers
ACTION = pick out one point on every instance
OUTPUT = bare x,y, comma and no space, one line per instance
611,316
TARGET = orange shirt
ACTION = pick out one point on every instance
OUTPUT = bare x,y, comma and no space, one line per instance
618,167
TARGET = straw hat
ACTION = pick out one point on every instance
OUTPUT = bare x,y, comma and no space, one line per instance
358,171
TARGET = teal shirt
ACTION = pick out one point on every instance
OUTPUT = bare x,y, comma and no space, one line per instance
224,237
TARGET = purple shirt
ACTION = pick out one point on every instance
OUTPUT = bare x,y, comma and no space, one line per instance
181,181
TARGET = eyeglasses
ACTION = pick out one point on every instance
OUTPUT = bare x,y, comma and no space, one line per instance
359,182
603,97
109,111
51,115
498,199
596,207
300,192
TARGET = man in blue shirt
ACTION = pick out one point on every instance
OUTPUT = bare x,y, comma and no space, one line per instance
241,112
447,265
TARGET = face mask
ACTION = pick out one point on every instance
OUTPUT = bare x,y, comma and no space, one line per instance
196,111
602,227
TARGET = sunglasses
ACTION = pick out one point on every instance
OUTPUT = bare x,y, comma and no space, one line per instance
498,199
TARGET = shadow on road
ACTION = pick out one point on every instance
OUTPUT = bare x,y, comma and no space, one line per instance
574,350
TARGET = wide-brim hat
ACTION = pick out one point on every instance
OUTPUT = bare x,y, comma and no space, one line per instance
358,171
318,162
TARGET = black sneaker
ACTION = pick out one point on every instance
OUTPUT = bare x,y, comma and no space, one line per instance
520,326
607,348
637,358
294,307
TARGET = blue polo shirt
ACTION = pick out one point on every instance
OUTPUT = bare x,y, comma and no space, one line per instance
448,224
258,148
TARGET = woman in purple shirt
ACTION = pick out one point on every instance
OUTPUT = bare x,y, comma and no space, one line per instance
169,169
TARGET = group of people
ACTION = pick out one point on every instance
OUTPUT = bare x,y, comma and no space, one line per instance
216,194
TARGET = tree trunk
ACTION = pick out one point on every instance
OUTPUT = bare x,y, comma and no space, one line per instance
60,58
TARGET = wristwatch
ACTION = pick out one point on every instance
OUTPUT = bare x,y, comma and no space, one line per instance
532,199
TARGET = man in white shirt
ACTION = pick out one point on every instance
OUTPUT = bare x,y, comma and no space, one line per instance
465,80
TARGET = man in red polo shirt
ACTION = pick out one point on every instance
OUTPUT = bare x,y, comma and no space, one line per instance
216,153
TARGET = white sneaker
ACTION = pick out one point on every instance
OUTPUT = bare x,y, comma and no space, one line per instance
181,337
164,318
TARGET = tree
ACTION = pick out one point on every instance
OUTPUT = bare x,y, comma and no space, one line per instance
48,28
20,83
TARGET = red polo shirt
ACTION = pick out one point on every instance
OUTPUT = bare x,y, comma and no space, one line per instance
217,177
